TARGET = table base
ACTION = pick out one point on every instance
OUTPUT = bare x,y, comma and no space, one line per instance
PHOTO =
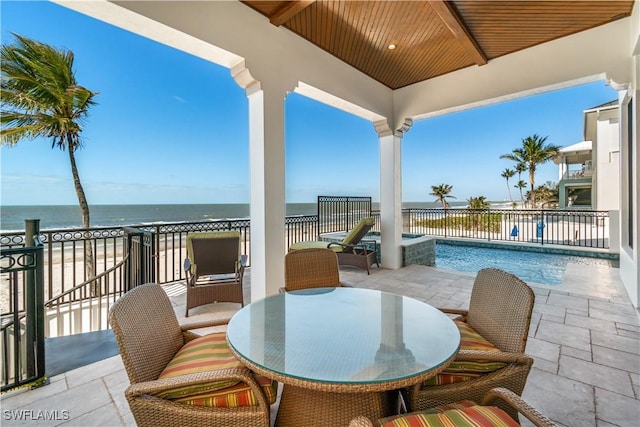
305,407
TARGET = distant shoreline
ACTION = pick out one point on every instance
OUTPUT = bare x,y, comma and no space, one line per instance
118,215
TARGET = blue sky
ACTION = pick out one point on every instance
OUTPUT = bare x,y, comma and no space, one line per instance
171,128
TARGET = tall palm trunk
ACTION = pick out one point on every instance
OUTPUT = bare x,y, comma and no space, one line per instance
532,173
84,207
509,190
444,202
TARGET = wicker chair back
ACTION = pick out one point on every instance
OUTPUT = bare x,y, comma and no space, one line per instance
146,331
311,268
500,309
214,253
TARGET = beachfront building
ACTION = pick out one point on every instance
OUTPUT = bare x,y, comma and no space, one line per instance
589,171
393,63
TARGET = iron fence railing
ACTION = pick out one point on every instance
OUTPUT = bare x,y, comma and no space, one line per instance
22,315
64,265
84,308
560,227
340,213
156,251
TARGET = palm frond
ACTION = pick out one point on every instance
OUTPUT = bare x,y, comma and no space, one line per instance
40,94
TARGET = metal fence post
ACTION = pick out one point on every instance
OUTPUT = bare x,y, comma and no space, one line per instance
129,267
446,226
32,228
34,302
488,224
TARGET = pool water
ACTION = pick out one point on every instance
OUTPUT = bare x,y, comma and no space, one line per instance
538,267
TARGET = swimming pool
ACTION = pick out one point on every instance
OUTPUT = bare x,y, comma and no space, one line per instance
538,267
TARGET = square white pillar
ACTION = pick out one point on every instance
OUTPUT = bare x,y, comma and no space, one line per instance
390,201
267,191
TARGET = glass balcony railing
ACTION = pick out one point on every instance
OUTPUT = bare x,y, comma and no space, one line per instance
578,174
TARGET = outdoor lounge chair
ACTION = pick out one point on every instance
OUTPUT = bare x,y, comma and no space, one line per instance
465,414
493,333
311,268
178,378
214,268
352,250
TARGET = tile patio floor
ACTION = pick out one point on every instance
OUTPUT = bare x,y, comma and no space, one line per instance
584,336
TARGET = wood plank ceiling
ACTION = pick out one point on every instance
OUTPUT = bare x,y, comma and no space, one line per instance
433,37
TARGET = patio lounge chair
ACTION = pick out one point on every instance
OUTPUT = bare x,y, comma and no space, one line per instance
493,333
352,250
311,268
465,414
178,378
214,268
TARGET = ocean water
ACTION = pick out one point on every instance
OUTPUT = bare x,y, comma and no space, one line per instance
65,216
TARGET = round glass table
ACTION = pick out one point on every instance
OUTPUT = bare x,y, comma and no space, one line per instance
337,350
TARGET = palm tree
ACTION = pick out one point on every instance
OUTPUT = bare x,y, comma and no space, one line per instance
520,167
41,98
521,185
508,174
442,193
478,203
547,193
533,152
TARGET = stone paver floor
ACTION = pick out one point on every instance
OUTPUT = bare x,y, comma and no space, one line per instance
584,336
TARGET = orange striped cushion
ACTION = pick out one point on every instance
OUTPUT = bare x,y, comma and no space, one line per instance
437,410
459,371
473,416
449,406
211,353
233,397
203,354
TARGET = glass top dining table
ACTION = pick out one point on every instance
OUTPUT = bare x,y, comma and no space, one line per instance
343,339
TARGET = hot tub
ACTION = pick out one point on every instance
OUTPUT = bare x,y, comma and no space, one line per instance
416,249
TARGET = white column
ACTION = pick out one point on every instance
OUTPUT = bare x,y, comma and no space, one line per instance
267,184
391,193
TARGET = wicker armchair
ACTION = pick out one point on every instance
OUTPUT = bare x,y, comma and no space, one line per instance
214,268
500,313
311,268
493,415
149,337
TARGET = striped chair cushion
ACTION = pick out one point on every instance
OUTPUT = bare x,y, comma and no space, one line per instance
437,410
459,371
211,353
464,415
235,396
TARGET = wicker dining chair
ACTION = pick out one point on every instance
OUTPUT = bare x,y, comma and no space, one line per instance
167,384
494,333
466,414
311,268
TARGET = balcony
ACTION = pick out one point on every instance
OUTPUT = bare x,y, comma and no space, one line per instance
578,171
584,336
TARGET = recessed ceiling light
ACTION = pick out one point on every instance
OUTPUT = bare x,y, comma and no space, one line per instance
391,46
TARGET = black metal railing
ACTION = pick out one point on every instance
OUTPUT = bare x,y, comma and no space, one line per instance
170,243
559,227
22,315
84,308
156,252
340,213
